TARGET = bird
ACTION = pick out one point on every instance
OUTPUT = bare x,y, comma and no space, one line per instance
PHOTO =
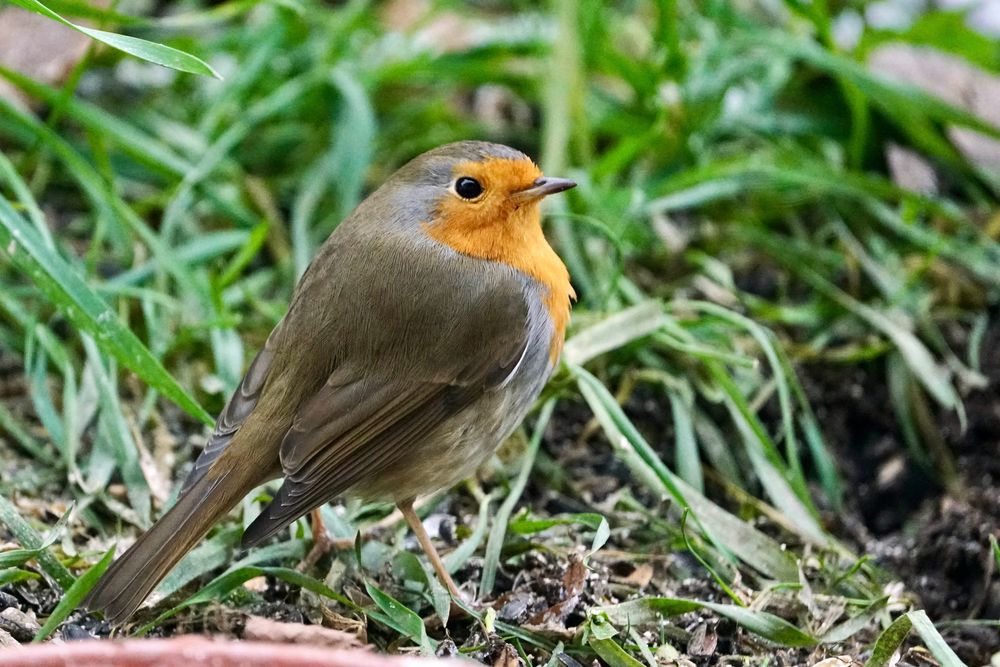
416,341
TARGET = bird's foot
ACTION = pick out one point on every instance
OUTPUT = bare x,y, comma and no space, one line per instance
322,543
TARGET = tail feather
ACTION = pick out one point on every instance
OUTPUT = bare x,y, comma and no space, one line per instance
132,577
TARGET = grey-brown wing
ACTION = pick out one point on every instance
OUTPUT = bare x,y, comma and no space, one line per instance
351,430
240,405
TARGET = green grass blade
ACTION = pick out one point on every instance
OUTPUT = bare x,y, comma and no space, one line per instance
341,166
847,629
87,311
14,575
917,356
601,639
140,48
209,555
766,625
120,436
183,198
227,582
17,557
401,618
104,199
688,462
29,539
491,559
792,468
767,462
23,194
892,97
932,638
728,532
524,525
614,332
74,596
461,555
138,144
889,642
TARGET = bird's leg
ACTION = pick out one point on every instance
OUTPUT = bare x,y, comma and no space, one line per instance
322,543
417,526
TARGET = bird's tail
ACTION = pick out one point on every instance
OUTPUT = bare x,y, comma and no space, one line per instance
137,572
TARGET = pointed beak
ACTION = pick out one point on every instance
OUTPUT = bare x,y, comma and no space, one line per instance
545,186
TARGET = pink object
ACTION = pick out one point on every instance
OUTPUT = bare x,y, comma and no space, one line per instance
192,651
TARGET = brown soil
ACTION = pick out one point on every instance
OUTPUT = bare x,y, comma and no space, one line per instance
932,534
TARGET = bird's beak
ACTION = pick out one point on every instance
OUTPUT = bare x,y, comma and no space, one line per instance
543,187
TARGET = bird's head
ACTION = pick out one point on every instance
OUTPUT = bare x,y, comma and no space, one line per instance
476,189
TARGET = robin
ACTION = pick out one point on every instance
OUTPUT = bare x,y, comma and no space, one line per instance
416,341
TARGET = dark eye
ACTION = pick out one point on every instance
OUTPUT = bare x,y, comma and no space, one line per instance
468,188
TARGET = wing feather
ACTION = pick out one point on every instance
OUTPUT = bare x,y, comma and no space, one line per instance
240,405
349,433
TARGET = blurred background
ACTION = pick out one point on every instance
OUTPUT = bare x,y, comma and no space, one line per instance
777,428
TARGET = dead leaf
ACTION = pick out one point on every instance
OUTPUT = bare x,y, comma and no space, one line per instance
552,628
264,629
638,578
446,32
403,15
354,626
703,641
503,654
575,576
551,620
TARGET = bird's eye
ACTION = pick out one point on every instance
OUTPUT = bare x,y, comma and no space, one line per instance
468,188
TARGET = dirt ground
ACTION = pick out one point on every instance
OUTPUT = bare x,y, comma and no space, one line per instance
930,532
935,539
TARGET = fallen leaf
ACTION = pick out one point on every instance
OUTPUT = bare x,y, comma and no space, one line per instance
639,577
574,577
551,620
354,626
703,641
503,654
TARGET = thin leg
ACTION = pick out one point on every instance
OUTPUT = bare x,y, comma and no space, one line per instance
406,507
322,543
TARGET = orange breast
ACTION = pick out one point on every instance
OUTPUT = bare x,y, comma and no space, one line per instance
497,229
